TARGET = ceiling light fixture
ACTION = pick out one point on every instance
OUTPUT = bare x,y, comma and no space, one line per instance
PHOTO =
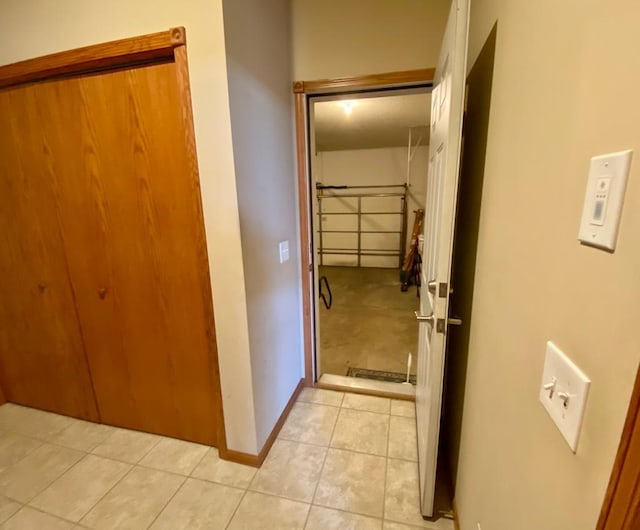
347,106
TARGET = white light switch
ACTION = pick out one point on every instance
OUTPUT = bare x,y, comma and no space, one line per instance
283,248
603,202
563,393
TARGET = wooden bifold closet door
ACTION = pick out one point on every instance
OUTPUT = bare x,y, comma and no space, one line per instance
42,360
124,200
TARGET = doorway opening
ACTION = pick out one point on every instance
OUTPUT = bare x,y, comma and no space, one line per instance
368,164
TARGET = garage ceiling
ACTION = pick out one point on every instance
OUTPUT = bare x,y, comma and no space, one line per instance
373,121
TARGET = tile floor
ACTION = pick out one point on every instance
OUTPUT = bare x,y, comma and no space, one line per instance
341,461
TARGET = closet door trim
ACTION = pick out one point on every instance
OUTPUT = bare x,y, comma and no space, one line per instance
124,52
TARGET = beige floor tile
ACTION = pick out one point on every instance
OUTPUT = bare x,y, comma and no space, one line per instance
321,396
14,447
135,501
175,456
403,408
401,499
268,513
402,438
83,435
11,414
32,422
28,477
324,519
80,488
309,423
199,505
440,524
7,508
30,519
353,482
291,470
127,446
368,403
358,430
390,525
213,468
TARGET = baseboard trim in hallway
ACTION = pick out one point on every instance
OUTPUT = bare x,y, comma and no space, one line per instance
256,460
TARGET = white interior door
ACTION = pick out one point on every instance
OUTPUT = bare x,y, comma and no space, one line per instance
444,159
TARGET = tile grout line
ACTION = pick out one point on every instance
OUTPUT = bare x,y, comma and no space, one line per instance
133,466
209,448
386,469
107,493
324,460
35,508
28,503
235,511
346,450
51,484
184,481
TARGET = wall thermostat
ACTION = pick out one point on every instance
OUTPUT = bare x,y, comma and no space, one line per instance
603,202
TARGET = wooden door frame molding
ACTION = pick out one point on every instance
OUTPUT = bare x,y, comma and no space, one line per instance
123,52
167,46
621,506
302,90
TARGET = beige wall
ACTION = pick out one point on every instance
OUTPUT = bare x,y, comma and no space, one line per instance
564,89
258,47
334,38
34,28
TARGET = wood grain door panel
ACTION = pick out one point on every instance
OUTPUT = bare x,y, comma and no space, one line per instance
134,239
42,360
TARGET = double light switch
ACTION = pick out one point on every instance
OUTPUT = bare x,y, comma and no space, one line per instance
563,393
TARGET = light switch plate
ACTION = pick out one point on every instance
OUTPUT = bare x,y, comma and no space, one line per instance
563,393
604,198
283,249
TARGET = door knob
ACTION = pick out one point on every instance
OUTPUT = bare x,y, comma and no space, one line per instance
42,286
424,318
431,286
454,321
102,292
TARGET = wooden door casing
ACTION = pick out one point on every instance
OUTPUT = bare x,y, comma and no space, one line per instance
134,240
621,505
42,358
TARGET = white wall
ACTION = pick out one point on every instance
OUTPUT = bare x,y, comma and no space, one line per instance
38,27
258,49
335,38
564,89
369,167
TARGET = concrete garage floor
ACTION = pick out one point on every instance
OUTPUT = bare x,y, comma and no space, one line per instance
371,323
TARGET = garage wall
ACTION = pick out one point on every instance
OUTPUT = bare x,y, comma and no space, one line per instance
370,167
